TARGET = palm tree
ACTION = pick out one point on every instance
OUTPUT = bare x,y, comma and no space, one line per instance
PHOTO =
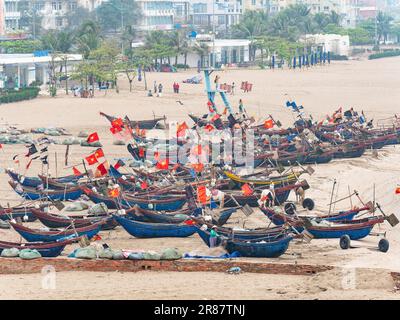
384,26
88,37
335,18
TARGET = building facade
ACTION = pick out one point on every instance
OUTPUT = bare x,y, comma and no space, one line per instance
11,15
162,14
220,14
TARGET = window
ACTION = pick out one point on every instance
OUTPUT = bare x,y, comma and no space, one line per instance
59,22
199,8
11,6
73,5
39,5
221,20
57,6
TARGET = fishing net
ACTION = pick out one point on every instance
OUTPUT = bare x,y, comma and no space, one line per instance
28,254
10,253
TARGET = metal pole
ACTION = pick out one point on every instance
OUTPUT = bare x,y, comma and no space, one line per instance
213,22
122,28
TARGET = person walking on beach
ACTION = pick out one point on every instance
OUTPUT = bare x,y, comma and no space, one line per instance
160,88
216,81
177,87
174,87
155,87
241,108
233,89
213,237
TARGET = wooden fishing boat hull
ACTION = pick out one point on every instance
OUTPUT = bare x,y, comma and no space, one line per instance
276,181
356,229
31,182
32,194
54,221
155,230
142,124
32,235
17,212
259,249
46,249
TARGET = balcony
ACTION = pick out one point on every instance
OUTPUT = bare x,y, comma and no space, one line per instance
12,15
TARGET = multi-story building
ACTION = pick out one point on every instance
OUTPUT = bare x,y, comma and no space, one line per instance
2,21
11,15
162,14
218,13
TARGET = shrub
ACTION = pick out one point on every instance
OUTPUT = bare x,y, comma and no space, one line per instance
392,53
9,96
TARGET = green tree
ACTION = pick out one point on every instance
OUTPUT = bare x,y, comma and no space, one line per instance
116,14
88,37
384,24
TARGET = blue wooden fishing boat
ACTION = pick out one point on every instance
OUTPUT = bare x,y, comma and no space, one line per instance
154,202
34,182
252,234
155,230
259,248
33,194
24,213
46,249
280,218
355,229
36,235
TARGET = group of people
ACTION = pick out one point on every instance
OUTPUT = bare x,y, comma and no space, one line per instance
158,89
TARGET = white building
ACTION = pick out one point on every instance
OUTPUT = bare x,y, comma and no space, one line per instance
218,13
10,15
334,43
162,14
20,70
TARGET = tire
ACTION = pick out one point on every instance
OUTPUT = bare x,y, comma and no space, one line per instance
308,204
383,245
290,208
344,242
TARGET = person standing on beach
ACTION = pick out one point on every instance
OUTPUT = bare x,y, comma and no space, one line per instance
160,88
216,81
233,89
213,237
241,108
177,87
155,87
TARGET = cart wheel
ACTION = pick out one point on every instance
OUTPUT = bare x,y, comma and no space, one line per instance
290,208
344,242
383,245
308,204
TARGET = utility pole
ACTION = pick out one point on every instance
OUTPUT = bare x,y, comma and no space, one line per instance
122,28
213,34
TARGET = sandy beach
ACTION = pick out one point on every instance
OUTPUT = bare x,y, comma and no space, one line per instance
371,86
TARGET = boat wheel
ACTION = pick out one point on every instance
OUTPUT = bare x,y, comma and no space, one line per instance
308,204
290,208
344,242
383,245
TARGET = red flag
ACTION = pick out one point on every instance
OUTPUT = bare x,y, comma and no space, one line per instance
198,167
201,194
397,191
144,185
247,191
76,172
216,117
141,152
91,159
119,163
101,169
93,137
268,124
113,193
180,132
117,123
115,130
99,153
209,127
1,146
162,164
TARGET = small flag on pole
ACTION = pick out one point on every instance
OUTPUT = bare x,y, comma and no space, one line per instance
94,137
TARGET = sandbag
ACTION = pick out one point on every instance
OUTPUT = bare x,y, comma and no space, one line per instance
10,253
171,254
136,256
77,206
151,256
28,254
99,208
118,255
106,253
86,253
